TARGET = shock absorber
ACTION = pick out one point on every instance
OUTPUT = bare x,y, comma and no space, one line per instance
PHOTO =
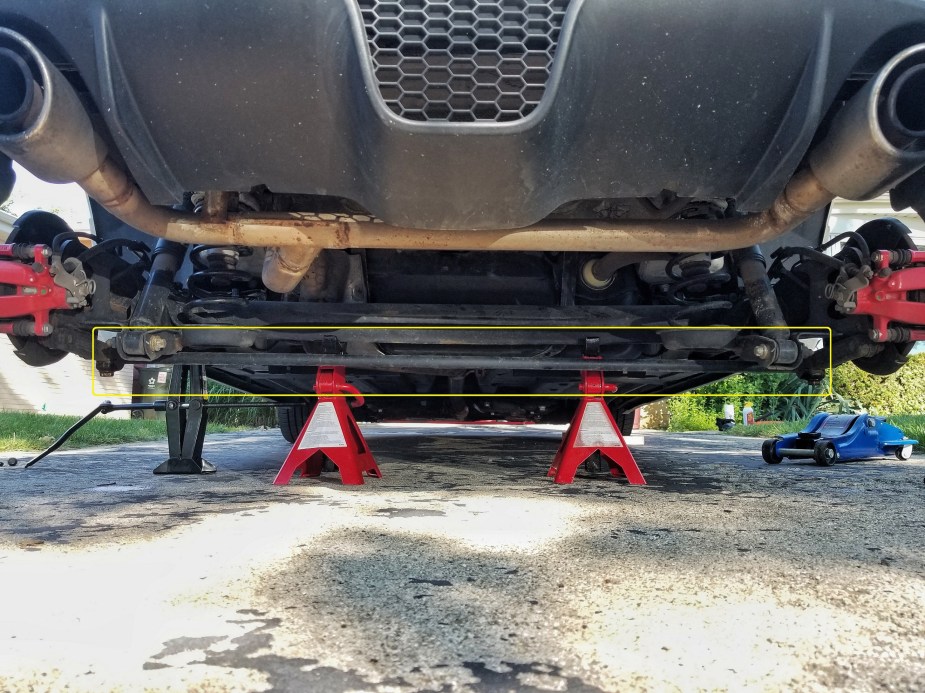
150,310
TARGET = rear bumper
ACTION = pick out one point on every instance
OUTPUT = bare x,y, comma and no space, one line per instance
712,101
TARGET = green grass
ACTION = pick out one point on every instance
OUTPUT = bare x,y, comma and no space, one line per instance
767,429
912,425
248,417
26,431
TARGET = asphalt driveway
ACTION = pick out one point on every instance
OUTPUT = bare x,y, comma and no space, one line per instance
464,568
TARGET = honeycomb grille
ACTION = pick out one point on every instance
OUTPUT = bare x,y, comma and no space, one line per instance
462,60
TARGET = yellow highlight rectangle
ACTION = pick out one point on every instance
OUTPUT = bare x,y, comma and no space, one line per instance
116,328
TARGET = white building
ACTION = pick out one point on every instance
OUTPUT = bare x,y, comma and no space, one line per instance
848,216
6,223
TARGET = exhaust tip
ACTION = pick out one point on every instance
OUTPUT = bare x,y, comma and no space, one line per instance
44,126
903,108
20,95
876,139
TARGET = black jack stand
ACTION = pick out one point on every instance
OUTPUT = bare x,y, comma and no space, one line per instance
186,425
186,422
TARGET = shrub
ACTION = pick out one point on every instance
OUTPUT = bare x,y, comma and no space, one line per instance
687,414
900,393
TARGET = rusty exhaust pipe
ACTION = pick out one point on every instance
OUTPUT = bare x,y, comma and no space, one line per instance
57,143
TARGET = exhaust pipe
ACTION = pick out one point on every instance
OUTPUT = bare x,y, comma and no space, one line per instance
876,141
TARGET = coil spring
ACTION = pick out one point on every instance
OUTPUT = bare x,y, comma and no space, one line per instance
693,277
217,277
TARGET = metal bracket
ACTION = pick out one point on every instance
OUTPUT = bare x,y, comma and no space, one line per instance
845,287
769,352
70,275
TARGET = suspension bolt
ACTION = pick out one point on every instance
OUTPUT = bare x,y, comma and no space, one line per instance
156,343
761,351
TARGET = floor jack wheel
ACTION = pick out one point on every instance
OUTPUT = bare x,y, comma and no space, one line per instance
824,453
769,452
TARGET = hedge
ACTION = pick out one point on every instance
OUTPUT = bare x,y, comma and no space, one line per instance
897,394
900,393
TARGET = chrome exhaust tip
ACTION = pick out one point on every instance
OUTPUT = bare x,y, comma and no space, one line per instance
43,124
20,95
878,138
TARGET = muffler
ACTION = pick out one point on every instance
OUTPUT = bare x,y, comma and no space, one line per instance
874,142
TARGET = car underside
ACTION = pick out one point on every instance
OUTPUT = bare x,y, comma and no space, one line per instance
465,202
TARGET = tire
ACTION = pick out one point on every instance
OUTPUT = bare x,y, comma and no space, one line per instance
904,452
291,420
825,453
769,452
625,421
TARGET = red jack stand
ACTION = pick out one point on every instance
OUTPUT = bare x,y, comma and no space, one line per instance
593,429
331,432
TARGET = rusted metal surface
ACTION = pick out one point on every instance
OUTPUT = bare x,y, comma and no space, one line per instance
215,205
802,198
751,265
284,267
